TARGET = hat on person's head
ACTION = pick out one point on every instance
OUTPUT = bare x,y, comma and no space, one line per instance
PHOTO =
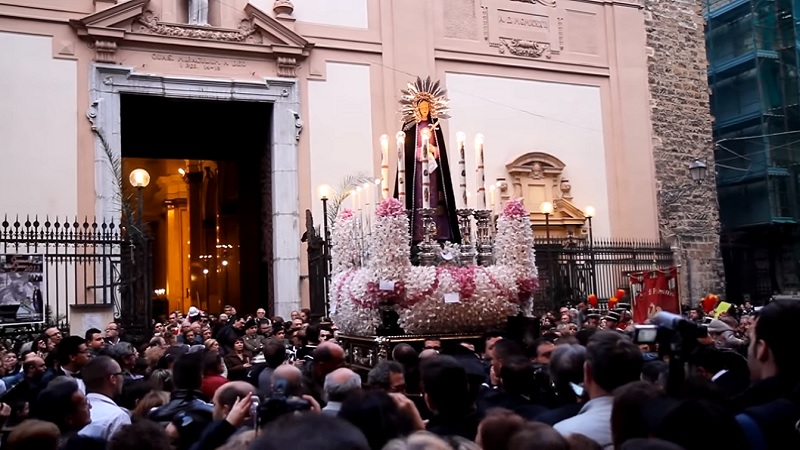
193,311
623,306
250,323
593,314
612,316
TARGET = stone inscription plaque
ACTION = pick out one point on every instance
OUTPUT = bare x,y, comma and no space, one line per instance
530,29
200,63
514,20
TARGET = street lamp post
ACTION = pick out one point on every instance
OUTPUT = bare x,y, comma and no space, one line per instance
546,208
139,179
590,212
140,301
324,192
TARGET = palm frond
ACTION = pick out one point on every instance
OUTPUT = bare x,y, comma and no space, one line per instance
121,199
348,184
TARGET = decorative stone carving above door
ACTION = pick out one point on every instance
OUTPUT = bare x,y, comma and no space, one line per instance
259,34
524,28
538,177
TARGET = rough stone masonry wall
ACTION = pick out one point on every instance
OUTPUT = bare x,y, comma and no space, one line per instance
681,132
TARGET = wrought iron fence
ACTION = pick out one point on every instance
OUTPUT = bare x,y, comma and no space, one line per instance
83,263
570,269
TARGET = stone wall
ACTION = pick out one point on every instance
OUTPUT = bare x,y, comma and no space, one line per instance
681,132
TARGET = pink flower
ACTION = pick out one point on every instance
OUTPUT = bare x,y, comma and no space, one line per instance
389,208
515,209
346,213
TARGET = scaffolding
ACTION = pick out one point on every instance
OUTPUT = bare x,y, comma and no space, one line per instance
752,48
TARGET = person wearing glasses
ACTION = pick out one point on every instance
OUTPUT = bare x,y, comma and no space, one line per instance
103,378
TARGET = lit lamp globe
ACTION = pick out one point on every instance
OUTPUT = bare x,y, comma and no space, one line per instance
139,178
324,191
590,212
546,208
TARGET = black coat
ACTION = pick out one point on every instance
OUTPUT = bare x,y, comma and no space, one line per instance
445,180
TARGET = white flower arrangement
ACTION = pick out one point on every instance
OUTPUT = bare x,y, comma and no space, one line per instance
345,252
428,299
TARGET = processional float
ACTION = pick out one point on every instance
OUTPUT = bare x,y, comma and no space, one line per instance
472,268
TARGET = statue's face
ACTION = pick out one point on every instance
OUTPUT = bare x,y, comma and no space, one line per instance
424,109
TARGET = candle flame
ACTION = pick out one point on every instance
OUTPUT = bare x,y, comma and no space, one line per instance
478,139
400,136
366,186
384,140
426,134
461,137
378,181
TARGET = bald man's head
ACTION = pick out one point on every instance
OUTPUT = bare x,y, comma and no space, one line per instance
428,353
405,354
340,383
227,394
291,375
328,356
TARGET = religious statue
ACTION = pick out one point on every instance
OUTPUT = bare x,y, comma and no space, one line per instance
198,12
423,104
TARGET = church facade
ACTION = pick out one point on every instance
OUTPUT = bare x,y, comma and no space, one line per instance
581,103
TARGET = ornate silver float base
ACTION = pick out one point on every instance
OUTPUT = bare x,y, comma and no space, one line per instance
468,252
428,247
483,220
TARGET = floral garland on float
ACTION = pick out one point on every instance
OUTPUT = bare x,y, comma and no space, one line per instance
376,275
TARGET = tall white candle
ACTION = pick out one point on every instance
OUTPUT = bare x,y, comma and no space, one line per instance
384,181
358,201
492,199
401,167
479,176
366,190
426,179
461,138
377,187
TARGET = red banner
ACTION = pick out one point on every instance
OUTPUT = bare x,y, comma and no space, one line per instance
654,291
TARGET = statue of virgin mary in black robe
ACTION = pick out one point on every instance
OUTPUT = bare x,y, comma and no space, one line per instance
424,103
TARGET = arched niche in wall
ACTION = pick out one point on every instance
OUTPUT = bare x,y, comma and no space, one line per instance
538,177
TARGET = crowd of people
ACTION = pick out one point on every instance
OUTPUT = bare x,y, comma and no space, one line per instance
589,381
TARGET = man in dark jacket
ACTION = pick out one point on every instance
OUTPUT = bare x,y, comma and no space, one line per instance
770,408
187,378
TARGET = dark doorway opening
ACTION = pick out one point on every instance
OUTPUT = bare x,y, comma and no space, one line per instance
208,204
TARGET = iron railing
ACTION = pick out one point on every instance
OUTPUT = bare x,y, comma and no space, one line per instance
85,264
571,269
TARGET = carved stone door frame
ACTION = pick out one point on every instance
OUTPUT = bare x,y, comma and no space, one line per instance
108,82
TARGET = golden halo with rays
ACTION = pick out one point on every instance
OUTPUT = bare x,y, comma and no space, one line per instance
419,90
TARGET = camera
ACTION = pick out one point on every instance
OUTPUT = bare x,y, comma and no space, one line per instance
671,331
677,338
280,403
645,334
